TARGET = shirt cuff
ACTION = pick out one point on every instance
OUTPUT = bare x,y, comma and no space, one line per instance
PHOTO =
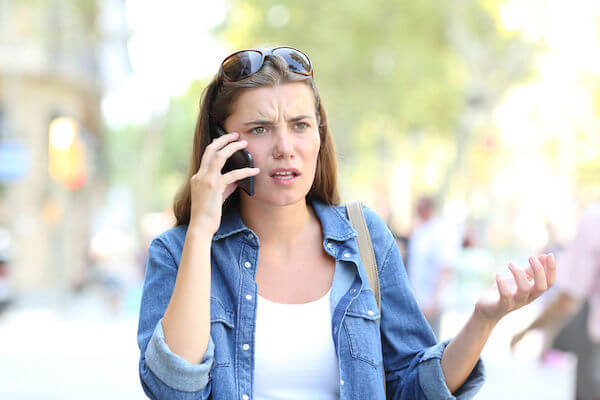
433,382
175,371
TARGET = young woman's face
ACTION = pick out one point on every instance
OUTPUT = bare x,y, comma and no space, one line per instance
281,128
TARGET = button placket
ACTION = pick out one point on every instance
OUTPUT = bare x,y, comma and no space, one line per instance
245,336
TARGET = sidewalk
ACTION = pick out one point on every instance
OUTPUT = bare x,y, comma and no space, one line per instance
55,347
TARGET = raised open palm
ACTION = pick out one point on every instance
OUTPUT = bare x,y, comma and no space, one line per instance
525,285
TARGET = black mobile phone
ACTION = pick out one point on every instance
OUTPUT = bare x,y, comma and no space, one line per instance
240,159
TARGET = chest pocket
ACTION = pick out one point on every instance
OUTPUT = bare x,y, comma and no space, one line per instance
361,324
221,331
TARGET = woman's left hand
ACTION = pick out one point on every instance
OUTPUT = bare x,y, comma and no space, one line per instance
513,292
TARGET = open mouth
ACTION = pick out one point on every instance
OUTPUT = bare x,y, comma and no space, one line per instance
285,178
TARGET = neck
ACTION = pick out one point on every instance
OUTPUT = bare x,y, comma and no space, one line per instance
277,226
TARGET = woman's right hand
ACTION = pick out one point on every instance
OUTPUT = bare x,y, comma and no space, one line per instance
209,188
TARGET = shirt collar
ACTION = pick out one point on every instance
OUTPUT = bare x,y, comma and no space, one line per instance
334,223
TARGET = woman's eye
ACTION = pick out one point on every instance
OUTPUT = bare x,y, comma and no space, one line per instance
303,125
258,130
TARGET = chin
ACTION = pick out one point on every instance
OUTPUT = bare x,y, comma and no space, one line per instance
277,198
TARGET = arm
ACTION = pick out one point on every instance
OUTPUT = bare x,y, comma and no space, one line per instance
553,317
557,313
163,373
186,322
463,351
411,356
443,279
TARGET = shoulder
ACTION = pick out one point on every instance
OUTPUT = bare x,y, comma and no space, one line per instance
381,236
171,240
376,225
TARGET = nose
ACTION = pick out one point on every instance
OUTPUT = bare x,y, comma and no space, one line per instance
283,146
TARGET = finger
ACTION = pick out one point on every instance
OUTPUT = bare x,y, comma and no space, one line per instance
543,258
504,289
220,157
540,284
215,146
550,269
221,141
523,285
529,272
239,174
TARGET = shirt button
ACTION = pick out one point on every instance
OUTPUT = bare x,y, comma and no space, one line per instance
246,347
250,236
329,245
370,312
342,382
245,397
347,255
247,264
352,291
248,297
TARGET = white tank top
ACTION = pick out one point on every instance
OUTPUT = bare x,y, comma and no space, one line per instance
294,354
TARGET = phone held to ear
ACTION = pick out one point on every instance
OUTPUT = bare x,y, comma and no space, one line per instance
240,159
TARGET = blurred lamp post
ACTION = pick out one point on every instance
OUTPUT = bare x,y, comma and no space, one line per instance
66,153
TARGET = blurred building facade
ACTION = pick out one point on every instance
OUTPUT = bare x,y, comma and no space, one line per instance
53,65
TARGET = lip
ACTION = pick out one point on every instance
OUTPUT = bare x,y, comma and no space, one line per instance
294,170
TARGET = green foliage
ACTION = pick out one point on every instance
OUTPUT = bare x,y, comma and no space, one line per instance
385,69
376,57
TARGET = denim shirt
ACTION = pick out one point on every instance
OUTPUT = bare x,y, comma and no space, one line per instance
362,335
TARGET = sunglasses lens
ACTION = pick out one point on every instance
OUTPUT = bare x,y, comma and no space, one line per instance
241,65
297,62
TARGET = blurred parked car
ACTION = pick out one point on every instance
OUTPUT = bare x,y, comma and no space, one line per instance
7,286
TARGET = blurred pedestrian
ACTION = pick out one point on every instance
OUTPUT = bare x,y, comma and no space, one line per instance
578,283
431,250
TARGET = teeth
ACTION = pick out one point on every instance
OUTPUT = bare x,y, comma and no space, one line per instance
284,173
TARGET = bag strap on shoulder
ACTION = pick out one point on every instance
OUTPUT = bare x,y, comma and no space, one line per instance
365,247
367,255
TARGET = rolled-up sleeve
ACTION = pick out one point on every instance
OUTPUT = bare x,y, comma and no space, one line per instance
164,374
433,382
411,354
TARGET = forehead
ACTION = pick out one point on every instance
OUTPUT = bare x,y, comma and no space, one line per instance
289,99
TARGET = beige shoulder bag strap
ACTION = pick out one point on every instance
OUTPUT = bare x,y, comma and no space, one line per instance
367,255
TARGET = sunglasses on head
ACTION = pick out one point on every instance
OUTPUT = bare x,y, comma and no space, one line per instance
242,64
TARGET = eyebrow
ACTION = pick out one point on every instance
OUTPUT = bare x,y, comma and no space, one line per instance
266,122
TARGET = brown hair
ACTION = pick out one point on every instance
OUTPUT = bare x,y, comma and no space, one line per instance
216,103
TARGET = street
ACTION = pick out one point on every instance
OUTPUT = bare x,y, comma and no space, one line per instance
58,347
68,348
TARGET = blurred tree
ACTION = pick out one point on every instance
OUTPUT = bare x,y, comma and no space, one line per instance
388,69
153,158
388,72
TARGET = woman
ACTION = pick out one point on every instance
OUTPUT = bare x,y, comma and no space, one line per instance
297,319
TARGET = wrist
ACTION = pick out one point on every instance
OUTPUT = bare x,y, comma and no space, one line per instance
198,231
481,321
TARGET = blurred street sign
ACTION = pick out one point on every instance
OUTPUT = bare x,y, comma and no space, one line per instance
14,161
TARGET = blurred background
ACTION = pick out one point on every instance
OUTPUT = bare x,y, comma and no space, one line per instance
488,108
